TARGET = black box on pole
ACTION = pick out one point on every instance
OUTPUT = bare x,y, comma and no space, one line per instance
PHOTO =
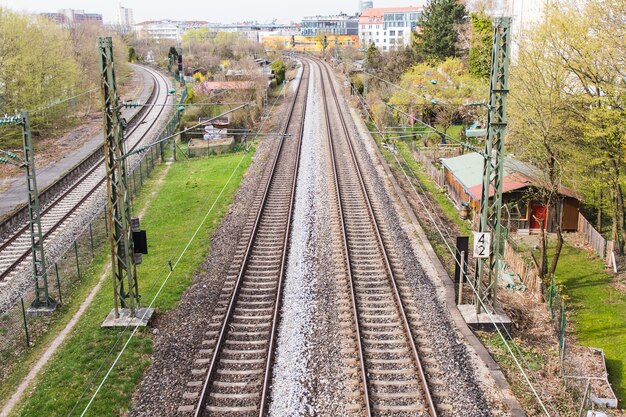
462,245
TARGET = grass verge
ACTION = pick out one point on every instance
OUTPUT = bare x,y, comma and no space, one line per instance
190,188
425,185
597,310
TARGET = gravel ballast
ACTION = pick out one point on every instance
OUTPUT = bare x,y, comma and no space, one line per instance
307,375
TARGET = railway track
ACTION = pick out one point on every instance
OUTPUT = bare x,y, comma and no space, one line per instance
68,206
237,355
390,371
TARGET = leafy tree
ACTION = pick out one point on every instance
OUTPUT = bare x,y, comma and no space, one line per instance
279,69
38,70
571,95
132,54
172,58
481,45
589,44
540,133
438,24
437,91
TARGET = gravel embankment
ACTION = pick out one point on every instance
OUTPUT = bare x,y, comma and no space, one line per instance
307,374
467,391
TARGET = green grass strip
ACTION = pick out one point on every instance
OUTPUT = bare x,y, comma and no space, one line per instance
172,217
597,309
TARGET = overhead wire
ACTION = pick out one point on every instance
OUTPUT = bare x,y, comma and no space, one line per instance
443,134
169,266
475,291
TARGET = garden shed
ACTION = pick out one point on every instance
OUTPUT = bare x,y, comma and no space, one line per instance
524,209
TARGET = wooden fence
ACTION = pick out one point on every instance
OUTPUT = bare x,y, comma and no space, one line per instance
592,237
522,267
431,170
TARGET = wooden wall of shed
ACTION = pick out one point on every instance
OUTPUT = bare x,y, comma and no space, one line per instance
570,214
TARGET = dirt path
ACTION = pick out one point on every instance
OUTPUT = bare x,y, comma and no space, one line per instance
56,343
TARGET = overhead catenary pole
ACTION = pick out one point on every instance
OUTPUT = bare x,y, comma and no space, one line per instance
125,288
42,301
488,269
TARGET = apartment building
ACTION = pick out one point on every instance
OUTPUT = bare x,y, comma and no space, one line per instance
341,24
72,16
124,17
166,29
388,28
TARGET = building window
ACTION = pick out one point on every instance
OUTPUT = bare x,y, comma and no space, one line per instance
392,33
384,48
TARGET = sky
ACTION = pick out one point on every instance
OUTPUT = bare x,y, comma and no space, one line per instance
228,11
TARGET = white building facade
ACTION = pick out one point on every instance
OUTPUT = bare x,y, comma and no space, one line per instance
166,29
388,28
124,17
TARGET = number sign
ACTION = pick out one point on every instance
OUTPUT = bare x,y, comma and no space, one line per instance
482,245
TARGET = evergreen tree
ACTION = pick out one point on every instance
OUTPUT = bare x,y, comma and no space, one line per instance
373,58
439,35
279,69
481,44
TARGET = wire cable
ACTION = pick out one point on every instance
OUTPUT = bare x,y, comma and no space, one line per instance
484,306
167,265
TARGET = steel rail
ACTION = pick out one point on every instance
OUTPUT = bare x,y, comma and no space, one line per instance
75,185
201,404
407,328
346,251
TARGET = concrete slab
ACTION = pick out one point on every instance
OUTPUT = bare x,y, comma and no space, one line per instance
42,310
484,321
141,318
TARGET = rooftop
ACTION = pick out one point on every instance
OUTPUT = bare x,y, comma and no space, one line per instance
467,169
379,12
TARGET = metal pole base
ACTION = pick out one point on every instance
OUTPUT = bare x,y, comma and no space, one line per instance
141,318
38,308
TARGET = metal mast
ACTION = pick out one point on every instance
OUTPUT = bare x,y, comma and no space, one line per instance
126,292
42,301
493,170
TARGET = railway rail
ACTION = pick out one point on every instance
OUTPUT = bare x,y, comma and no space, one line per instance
64,209
245,323
393,380
391,358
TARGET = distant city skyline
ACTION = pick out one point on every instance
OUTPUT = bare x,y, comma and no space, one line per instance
227,12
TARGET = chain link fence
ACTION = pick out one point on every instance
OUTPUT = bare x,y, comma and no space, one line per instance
20,330
582,368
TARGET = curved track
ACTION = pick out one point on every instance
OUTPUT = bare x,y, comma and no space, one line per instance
16,248
240,360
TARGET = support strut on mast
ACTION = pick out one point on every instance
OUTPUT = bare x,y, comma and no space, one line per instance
43,302
127,300
489,237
